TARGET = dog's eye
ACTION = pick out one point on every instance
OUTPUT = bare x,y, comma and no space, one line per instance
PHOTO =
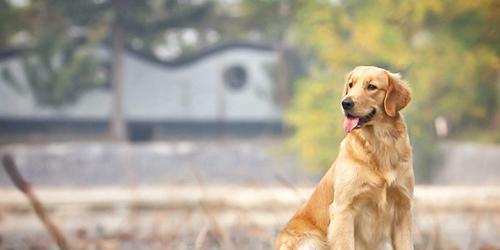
371,87
350,84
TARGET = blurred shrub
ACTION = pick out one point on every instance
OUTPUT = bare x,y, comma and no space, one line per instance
447,50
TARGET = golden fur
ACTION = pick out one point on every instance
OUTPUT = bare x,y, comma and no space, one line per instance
364,201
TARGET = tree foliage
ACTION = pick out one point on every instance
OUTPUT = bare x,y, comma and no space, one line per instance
61,37
448,50
12,20
56,66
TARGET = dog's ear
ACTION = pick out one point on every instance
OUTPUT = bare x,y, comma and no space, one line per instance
398,94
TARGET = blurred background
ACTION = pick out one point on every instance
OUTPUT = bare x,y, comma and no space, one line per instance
198,124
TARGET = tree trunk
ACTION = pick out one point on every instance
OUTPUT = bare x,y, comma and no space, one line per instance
117,118
496,121
282,81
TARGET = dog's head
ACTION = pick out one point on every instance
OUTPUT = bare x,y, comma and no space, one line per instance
372,95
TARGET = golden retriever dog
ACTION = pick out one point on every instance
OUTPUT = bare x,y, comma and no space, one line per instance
364,201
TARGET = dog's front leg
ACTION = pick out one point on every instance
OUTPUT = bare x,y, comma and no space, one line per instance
341,228
402,230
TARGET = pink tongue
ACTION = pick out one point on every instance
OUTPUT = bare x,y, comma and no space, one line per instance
350,123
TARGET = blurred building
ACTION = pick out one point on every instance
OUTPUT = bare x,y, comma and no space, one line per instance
230,87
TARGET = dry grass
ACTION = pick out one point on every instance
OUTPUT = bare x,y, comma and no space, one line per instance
210,222
221,217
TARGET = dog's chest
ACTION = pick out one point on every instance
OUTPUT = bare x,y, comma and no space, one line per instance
374,218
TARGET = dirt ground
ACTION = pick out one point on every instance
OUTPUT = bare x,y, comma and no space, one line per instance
223,217
222,194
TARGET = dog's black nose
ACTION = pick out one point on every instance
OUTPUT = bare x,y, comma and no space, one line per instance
347,103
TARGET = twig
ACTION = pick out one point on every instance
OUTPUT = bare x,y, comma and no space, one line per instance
224,238
201,236
12,171
281,179
434,241
474,231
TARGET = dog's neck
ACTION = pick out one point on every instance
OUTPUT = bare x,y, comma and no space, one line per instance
386,143
386,132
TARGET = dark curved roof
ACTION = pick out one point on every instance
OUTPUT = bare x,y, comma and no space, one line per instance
9,52
177,62
201,54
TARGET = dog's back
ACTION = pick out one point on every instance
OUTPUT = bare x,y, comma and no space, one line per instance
308,227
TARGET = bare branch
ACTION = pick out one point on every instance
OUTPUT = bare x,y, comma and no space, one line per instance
180,19
12,171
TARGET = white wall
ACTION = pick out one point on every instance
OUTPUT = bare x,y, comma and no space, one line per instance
155,92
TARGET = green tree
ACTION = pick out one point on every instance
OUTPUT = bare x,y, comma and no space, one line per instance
448,50
13,19
127,20
59,65
56,67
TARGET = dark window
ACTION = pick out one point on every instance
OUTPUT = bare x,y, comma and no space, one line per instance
140,132
235,77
